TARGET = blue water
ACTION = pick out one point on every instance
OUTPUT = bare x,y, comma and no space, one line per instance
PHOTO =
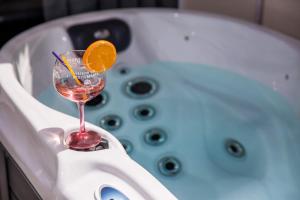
200,108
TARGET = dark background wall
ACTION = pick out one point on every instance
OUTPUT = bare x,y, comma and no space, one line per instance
19,15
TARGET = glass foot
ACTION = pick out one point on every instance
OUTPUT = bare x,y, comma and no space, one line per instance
83,141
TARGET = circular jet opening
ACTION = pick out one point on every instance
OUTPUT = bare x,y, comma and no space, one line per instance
144,112
155,137
141,87
235,148
100,100
127,145
169,166
111,122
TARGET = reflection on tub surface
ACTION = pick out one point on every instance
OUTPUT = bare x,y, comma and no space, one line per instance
212,134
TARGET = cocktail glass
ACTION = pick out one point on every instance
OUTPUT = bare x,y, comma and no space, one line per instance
79,85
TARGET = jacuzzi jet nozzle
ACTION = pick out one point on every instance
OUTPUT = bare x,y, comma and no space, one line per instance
127,145
235,148
141,87
111,122
169,166
155,136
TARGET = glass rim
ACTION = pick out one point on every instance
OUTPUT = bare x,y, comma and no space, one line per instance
72,54
75,50
58,63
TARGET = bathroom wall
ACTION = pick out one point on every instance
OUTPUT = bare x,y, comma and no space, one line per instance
244,9
280,15
283,15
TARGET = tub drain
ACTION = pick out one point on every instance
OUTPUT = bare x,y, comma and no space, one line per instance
143,112
111,122
235,148
169,166
155,136
141,87
99,100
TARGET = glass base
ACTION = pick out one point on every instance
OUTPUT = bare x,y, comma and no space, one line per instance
83,141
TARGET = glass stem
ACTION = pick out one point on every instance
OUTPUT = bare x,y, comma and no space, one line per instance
81,116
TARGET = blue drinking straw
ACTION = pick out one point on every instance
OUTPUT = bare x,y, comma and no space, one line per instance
60,60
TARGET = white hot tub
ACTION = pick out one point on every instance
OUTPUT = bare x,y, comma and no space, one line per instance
32,131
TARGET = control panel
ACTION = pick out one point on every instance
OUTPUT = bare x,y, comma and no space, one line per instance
109,193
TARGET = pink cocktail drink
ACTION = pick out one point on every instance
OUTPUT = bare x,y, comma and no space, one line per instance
79,93
75,82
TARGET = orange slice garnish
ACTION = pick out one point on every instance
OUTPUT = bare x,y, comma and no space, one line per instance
99,56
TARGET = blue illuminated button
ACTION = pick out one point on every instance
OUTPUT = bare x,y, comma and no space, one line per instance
109,193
